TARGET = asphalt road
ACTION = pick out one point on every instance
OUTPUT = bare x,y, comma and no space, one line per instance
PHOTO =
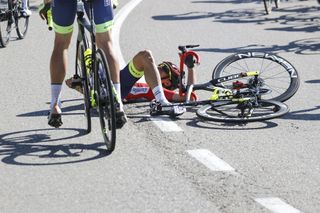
268,166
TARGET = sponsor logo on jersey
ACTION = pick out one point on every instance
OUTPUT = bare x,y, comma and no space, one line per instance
139,90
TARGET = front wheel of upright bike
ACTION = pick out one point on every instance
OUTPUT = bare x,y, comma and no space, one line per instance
5,24
106,101
21,21
236,112
267,6
82,72
275,73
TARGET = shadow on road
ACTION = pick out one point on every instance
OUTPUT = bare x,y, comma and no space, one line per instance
310,46
31,148
304,115
299,18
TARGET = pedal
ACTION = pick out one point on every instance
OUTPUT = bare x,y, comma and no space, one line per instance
173,111
155,108
76,81
177,111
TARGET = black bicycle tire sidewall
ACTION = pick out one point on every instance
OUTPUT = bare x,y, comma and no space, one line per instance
283,109
4,43
294,83
112,142
21,34
81,47
267,6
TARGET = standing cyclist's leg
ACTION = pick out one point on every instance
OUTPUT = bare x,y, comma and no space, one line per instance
103,17
63,13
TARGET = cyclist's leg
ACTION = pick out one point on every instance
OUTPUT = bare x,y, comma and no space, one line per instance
59,61
144,60
63,16
103,18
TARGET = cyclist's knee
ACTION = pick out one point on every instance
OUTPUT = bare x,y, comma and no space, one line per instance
104,39
143,59
62,41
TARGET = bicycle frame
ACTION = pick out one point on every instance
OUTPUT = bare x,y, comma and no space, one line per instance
83,25
96,82
219,94
13,16
233,99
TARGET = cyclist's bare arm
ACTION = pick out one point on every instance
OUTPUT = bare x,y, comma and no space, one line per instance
191,76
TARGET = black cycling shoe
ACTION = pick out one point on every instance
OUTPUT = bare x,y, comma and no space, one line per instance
54,120
156,108
121,119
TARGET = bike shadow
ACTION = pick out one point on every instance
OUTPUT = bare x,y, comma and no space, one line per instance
290,18
35,148
205,124
308,46
304,115
196,122
315,81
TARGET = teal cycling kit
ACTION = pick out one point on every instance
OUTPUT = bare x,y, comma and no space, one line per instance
64,13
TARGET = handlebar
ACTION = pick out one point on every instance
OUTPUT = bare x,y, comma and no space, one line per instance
50,23
45,13
186,47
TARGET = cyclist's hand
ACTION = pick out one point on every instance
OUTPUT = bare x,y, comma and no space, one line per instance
43,11
189,61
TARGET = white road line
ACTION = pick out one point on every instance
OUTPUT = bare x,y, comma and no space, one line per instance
210,160
276,205
119,19
166,124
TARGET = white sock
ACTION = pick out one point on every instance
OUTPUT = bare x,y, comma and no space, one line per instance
55,95
159,95
24,5
117,87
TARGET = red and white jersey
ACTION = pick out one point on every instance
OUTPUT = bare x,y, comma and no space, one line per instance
143,92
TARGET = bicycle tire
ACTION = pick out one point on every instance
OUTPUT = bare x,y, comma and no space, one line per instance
278,74
22,22
106,101
267,6
81,70
267,109
5,25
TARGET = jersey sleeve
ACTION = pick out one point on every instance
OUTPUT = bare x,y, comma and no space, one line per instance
169,94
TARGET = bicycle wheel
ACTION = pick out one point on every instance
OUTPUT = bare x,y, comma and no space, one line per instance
5,24
21,21
267,6
276,73
232,112
81,71
106,101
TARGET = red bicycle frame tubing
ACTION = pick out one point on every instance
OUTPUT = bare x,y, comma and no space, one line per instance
183,56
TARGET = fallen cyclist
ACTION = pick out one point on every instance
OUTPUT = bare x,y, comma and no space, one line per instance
161,82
